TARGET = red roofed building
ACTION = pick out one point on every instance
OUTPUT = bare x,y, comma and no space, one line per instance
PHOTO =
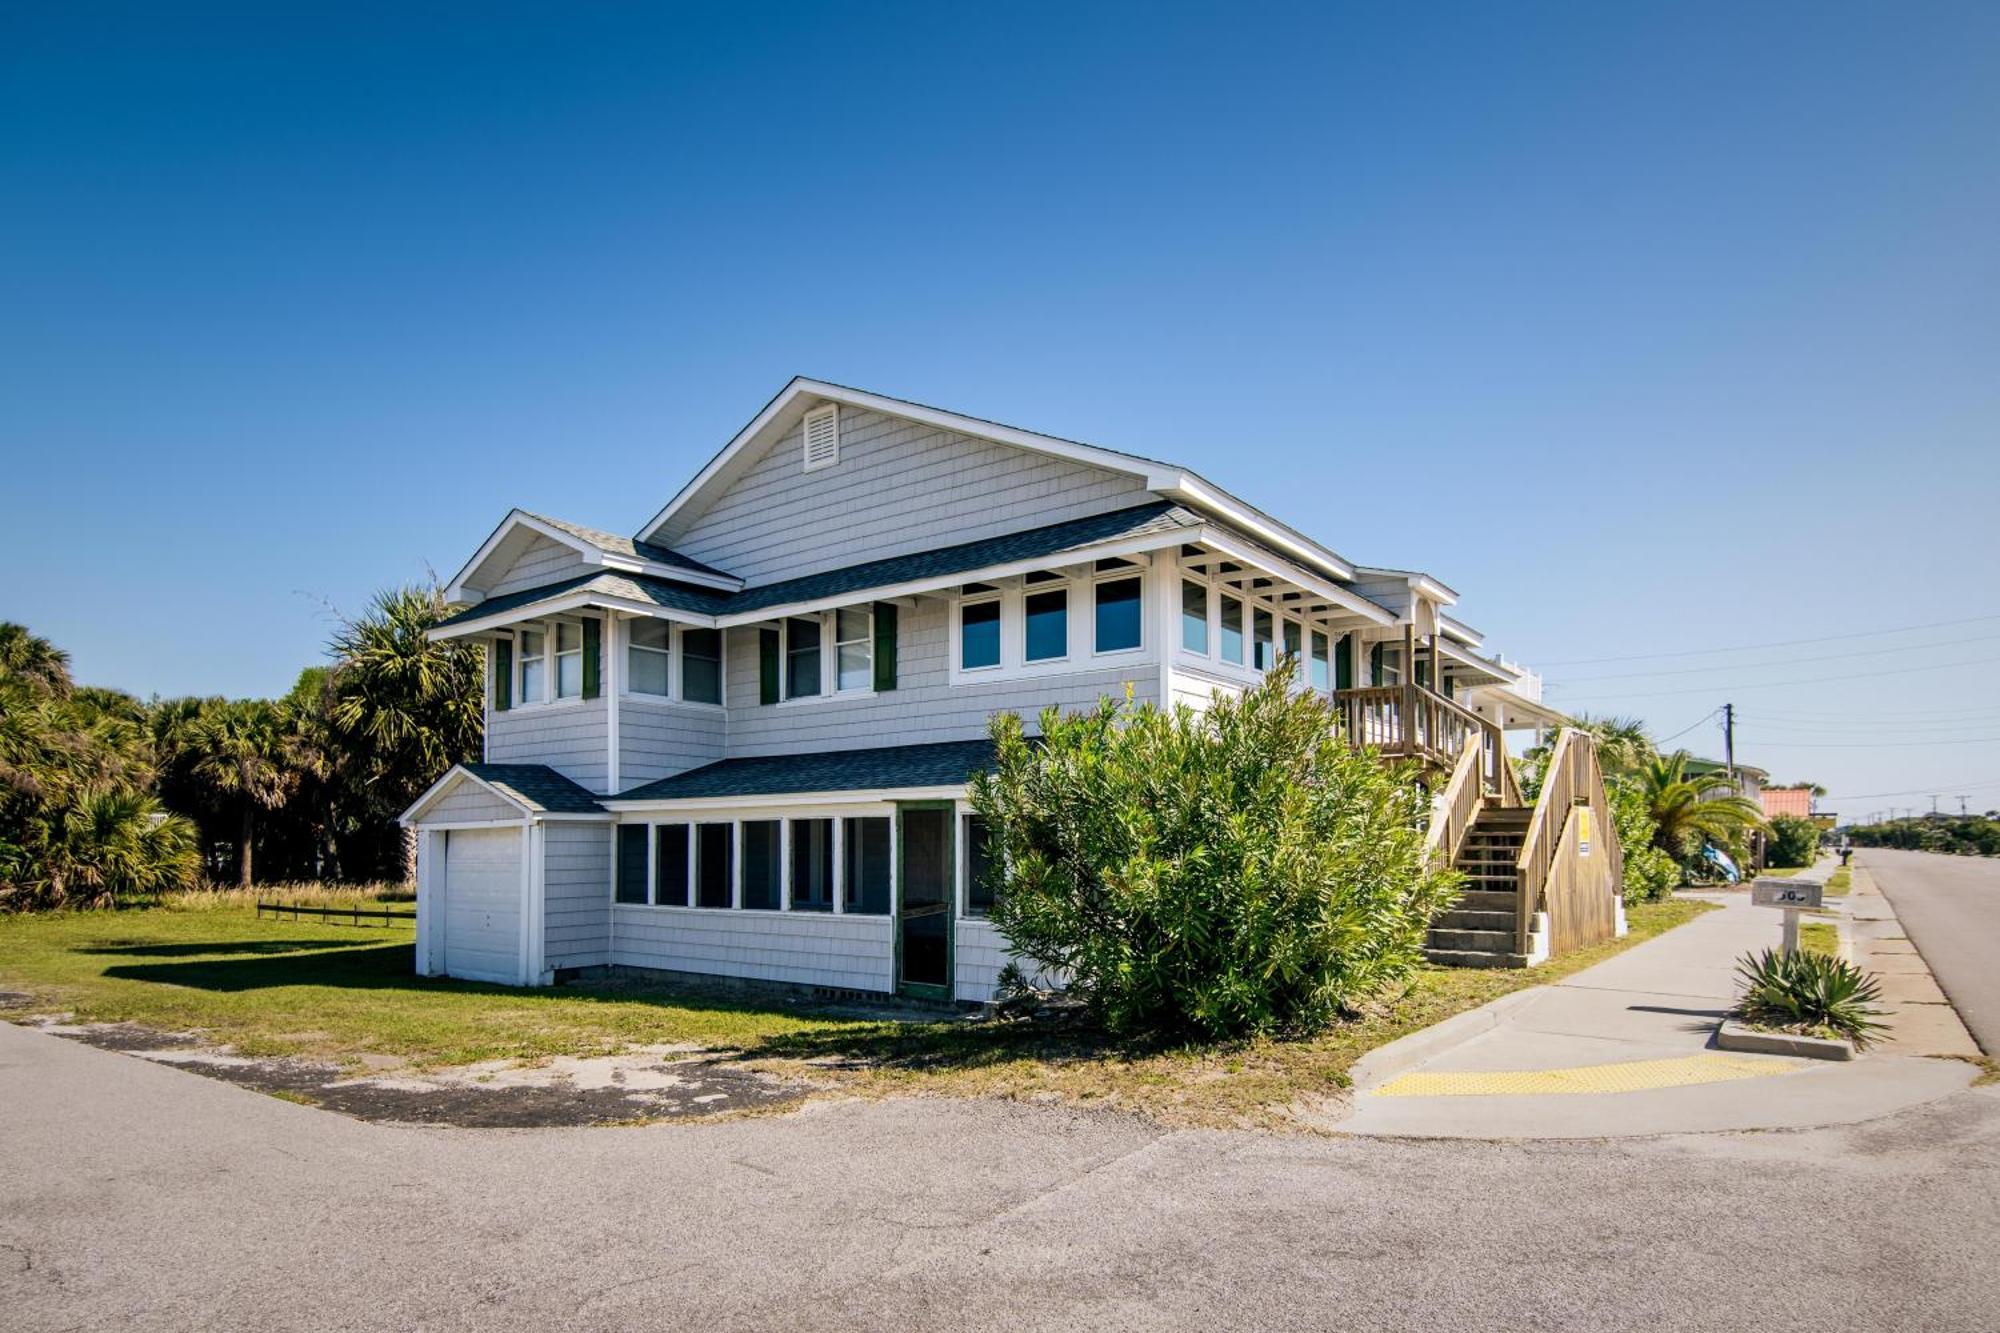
1787,801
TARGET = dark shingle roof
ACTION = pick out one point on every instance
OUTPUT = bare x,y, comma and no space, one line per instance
626,587
616,545
888,768
1041,543
537,786
1033,544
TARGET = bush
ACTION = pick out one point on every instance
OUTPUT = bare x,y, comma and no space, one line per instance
1794,842
1230,872
1650,874
1809,992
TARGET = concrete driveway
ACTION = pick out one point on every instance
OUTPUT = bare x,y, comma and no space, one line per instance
138,1196
1950,908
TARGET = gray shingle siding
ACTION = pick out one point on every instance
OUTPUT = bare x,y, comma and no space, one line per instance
803,948
576,894
657,741
900,486
925,706
571,738
544,561
470,803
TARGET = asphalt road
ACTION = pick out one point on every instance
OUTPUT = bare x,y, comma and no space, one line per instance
134,1196
1950,908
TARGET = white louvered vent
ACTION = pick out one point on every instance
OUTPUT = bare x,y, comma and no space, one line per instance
822,437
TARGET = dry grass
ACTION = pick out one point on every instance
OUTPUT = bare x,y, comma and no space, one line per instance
1840,882
325,991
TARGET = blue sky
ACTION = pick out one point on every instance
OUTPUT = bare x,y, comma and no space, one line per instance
1680,321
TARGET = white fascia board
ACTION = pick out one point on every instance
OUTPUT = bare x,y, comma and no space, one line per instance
1187,486
1464,657
573,602
1323,588
870,796
571,816
984,574
1461,631
1417,580
1155,477
451,775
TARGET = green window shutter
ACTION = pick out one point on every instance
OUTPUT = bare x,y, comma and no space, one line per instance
885,646
767,666
593,655
503,675
1375,664
1343,663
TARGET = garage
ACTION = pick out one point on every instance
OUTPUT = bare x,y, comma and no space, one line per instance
482,904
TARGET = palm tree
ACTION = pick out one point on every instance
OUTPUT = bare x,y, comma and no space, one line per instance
409,706
245,754
31,660
1692,809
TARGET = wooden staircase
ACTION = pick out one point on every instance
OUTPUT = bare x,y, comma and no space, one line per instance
1483,928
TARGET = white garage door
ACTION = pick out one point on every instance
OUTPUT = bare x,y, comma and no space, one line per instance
482,904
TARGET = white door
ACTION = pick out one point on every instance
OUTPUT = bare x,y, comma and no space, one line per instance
482,904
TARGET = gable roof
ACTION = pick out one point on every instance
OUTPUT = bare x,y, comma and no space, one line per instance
790,405
536,789
630,591
592,547
884,768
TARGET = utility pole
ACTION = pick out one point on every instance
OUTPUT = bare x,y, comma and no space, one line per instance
1729,739
1961,807
1933,805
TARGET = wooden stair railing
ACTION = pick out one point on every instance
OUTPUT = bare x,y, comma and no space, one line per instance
1576,868
1455,808
1416,722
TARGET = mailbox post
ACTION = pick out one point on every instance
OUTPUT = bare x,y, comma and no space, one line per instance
1792,896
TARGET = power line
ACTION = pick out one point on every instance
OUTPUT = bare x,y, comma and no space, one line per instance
1776,643
1775,684
1871,745
1913,791
1788,662
1690,726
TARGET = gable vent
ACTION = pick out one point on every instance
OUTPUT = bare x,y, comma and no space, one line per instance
822,437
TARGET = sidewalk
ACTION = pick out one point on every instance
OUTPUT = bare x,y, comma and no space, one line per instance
1625,1048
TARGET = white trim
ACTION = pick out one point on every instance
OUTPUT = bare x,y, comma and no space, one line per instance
781,800
525,955
457,591
417,807
576,601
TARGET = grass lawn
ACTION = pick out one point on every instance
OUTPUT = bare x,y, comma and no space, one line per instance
1839,882
340,993
1783,872
1820,937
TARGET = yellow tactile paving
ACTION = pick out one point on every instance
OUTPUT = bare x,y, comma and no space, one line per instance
1633,1076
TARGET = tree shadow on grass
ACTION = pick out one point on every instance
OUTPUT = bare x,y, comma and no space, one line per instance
220,947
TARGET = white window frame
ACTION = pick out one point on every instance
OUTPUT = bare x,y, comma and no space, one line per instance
959,602
866,610
1080,588
676,696
829,657
1067,587
626,677
736,817
557,653
1245,672
523,660
1099,579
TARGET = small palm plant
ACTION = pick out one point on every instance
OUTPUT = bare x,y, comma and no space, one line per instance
1810,992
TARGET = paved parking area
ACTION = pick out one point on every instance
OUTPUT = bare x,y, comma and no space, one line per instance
138,1196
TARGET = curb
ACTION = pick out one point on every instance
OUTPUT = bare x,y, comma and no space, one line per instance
1731,1035
1385,1062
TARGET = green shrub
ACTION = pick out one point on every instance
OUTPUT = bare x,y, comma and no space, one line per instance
1236,871
1810,992
1794,842
1650,874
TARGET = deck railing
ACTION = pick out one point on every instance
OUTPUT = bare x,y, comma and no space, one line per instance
1415,722
1455,808
1555,867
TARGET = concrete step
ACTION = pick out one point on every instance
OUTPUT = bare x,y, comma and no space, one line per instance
1462,918
1480,941
1473,958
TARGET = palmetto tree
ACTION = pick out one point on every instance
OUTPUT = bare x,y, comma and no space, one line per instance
245,753
1690,809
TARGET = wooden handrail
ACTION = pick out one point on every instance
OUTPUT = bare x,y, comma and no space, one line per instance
1455,808
1416,722
1572,783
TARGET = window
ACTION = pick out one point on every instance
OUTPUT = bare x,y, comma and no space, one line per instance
1232,630
1048,625
763,865
1292,647
1319,672
978,865
701,666
631,863
1260,640
1194,617
714,872
534,666
801,657
979,634
1118,615
569,659
867,865
646,653
854,648
670,865
812,865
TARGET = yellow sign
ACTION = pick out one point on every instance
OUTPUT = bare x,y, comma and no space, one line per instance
1583,830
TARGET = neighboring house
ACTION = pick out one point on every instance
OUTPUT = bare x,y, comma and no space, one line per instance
1793,801
738,743
1748,783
